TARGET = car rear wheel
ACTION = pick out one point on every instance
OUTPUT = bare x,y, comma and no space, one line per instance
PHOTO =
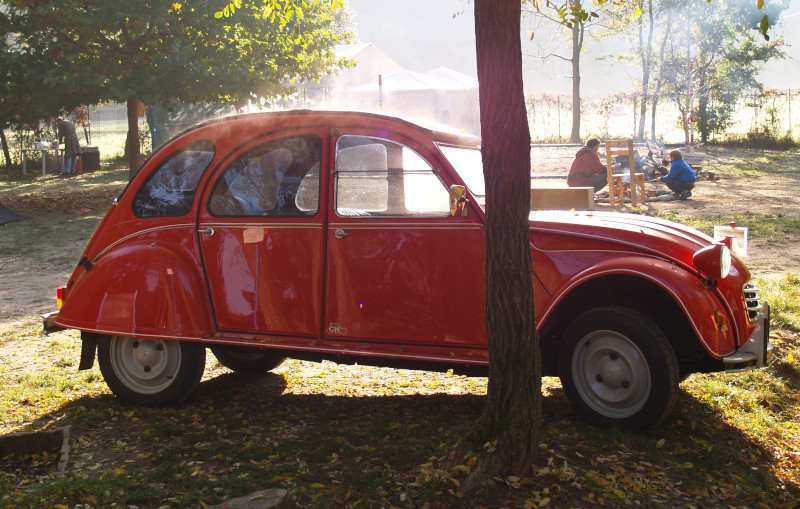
151,372
618,368
248,360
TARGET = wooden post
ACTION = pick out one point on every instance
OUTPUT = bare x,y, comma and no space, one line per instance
616,189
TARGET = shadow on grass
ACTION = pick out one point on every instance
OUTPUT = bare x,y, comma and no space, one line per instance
243,433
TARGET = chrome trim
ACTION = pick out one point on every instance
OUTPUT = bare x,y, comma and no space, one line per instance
751,301
756,352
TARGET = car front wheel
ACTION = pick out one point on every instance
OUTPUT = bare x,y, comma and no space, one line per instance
151,372
618,368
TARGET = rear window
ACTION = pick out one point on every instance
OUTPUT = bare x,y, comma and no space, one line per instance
171,188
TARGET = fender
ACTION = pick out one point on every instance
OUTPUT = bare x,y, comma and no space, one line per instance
698,303
140,288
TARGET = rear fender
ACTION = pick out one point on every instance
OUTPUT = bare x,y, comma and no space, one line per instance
140,288
699,304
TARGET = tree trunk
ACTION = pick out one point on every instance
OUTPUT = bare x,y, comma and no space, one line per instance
6,152
132,147
512,415
577,44
660,77
702,108
646,55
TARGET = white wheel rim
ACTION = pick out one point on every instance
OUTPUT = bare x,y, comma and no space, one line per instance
145,366
611,374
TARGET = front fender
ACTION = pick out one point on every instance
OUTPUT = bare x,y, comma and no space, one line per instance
699,304
140,288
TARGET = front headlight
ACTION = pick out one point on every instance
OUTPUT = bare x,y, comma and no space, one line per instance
713,260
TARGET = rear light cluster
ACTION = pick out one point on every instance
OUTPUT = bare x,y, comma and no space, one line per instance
60,296
751,301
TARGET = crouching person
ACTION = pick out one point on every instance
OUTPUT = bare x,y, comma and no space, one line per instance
586,169
681,177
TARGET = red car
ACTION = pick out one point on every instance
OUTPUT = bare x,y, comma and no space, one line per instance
360,238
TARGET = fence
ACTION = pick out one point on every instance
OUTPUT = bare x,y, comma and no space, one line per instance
550,117
776,112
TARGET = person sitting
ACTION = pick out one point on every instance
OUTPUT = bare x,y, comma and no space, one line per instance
681,177
586,169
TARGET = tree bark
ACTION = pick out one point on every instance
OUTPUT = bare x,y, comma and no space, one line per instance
702,108
646,55
577,45
512,415
132,141
6,151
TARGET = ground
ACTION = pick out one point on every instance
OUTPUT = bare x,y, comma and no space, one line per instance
31,270
27,288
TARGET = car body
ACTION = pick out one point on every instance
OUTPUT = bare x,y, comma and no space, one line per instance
360,238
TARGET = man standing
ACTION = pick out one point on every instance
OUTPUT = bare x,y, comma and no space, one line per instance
681,177
586,169
67,136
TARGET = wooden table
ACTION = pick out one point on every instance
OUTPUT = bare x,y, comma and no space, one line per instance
59,153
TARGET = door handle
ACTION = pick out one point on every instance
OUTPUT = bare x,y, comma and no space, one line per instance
339,233
208,232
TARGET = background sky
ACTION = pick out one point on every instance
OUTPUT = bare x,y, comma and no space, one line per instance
422,35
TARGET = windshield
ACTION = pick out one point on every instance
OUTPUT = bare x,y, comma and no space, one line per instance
469,166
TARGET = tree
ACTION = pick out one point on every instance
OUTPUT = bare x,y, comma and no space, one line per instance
511,418
728,59
573,18
160,51
640,22
691,44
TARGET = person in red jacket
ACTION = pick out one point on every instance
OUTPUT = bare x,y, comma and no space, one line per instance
586,169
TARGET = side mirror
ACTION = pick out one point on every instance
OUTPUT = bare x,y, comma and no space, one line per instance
458,200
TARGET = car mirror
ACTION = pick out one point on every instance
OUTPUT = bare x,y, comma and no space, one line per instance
458,200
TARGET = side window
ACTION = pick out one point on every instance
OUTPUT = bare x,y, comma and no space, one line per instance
278,178
378,177
170,189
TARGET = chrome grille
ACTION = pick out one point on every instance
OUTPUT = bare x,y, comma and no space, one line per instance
752,301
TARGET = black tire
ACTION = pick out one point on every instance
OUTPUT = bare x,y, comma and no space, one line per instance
618,368
248,360
151,372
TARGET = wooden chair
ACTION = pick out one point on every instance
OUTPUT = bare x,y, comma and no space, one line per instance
616,186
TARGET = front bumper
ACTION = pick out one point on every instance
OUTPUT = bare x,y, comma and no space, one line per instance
756,351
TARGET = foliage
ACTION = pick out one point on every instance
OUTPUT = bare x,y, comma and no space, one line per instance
161,51
177,51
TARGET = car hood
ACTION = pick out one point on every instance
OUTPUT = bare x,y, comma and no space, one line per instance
644,234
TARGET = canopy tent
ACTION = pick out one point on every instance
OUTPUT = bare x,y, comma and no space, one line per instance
7,215
442,95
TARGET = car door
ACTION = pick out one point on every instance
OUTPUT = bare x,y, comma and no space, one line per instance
261,234
400,268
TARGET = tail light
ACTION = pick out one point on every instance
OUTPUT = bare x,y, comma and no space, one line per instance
60,296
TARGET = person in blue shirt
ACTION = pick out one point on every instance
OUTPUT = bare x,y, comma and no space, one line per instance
681,177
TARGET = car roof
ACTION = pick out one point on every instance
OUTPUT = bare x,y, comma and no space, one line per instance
437,132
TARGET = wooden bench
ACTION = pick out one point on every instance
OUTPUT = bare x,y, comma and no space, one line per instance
562,198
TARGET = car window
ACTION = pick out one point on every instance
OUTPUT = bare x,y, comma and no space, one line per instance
277,178
170,189
379,177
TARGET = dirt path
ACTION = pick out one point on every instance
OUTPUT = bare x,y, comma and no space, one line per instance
738,187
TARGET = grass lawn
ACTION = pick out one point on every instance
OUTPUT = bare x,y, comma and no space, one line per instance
354,436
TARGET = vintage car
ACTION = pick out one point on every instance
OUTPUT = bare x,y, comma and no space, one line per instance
359,238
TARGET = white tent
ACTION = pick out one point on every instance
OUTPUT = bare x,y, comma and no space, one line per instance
443,96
